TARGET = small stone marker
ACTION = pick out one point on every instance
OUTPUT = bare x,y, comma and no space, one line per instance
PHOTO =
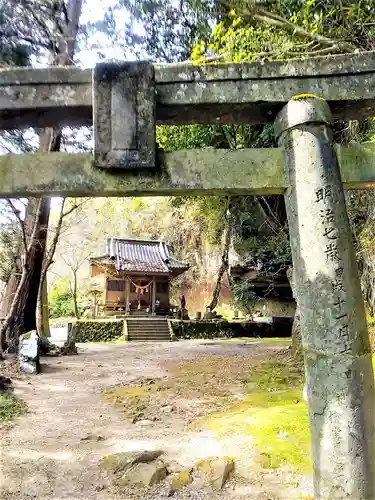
29,351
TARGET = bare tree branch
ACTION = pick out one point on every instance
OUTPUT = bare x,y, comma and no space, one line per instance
276,20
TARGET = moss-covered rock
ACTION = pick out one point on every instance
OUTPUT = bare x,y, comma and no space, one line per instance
215,471
180,479
143,474
120,462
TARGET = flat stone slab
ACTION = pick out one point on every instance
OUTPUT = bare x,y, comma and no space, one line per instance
146,475
120,462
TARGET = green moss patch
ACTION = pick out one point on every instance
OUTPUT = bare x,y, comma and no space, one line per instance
131,401
11,407
120,394
274,376
278,341
273,416
277,423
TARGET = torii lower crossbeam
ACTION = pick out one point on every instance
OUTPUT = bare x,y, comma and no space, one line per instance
189,172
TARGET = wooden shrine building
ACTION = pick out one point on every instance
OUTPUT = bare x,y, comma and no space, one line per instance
135,276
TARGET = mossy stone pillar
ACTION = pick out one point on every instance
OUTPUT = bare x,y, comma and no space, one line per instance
339,373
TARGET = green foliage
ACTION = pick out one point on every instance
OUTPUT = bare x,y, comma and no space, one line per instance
242,41
60,300
206,329
244,296
172,138
11,407
273,251
99,330
10,241
13,51
278,30
349,23
201,329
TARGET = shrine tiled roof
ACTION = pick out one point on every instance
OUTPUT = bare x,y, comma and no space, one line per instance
146,256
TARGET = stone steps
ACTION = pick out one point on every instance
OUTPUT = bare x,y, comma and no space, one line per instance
148,329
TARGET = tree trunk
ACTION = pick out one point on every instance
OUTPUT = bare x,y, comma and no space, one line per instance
21,316
74,293
42,314
224,257
69,346
22,313
10,289
42,318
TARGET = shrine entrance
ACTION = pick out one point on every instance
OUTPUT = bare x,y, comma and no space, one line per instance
303,98
144,295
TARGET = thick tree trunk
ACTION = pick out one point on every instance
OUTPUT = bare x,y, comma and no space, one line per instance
21,316
222,270
22,313
42,315
227,237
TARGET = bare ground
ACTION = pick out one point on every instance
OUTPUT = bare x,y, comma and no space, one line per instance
53,452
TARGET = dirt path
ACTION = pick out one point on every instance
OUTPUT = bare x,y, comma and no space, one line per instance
53,451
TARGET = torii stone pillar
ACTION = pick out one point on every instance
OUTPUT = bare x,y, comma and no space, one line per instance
339,373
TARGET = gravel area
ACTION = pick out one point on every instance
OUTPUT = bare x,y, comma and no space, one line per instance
53,452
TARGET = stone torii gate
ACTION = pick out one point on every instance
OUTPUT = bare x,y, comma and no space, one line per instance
126,101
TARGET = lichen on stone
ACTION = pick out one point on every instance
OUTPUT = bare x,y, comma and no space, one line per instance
301,97
181,479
